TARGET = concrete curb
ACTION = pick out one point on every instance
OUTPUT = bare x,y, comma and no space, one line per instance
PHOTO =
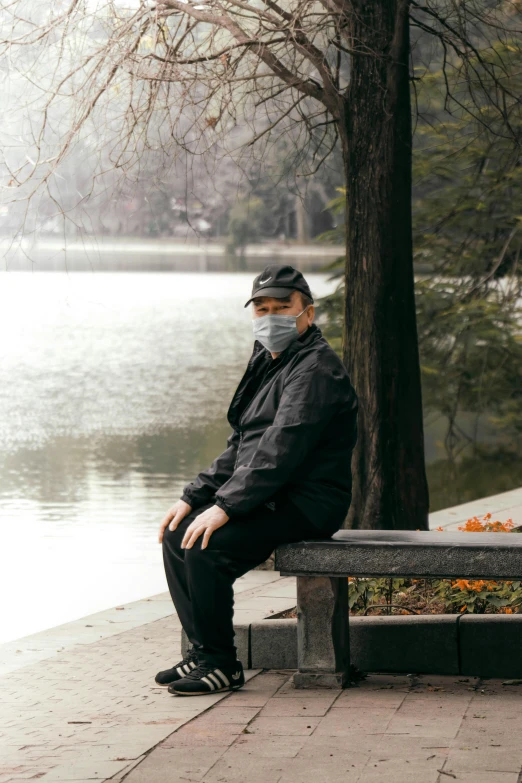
470,645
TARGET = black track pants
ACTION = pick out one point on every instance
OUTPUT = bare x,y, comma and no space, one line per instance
200,581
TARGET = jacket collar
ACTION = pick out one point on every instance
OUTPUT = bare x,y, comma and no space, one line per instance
261,358
308,337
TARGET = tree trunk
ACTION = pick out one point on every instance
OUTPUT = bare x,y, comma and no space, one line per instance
380,338
301,215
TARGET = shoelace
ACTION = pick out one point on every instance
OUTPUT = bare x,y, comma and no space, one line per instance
201,670
190,657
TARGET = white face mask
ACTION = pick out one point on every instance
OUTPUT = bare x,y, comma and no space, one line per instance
276,332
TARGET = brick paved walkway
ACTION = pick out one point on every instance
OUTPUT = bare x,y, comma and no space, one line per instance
79,702
391,729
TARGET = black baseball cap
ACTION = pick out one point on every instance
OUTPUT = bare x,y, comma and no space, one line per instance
279,281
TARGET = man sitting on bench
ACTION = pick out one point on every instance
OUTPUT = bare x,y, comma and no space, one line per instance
285,476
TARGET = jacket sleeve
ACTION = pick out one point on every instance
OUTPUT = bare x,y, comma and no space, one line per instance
199,491
308,402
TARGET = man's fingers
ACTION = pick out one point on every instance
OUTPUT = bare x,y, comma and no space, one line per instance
188,533
166,519
189,530
178,516
162,531
173,517
193,537
206,536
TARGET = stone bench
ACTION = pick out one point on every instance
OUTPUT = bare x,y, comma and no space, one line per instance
322,568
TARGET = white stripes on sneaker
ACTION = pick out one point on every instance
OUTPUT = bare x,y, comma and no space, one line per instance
216,680
186,668
222,676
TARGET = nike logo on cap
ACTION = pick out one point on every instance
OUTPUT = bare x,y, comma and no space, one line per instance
265,281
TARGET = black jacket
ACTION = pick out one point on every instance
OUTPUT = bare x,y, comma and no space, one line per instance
294,423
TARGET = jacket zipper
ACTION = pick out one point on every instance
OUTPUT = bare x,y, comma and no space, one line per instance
250,363
247,407
241,419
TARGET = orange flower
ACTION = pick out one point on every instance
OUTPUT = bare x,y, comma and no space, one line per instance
462,584
499,527
440,529
474,525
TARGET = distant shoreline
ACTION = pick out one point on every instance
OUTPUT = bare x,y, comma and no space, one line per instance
138,254
147,255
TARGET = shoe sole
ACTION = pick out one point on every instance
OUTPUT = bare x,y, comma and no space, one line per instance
207,693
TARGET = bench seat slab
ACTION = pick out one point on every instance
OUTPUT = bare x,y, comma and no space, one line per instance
418,554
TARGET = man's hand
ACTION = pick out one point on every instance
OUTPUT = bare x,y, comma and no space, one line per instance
174,515
204,524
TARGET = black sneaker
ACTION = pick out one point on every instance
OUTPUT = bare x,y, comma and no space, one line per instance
207,678
179,670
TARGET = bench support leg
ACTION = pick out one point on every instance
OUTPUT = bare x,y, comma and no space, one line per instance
323,649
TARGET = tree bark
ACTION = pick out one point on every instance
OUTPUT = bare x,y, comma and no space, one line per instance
380,335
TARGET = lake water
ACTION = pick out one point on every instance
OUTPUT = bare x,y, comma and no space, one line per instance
113,394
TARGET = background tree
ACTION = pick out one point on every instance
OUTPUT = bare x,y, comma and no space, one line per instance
186,73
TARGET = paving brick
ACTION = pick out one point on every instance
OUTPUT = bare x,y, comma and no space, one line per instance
291,707
171,764
273,746
484,776
425,725
375,775
97,770
325,769
503,758
283,726
258,770
341,722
